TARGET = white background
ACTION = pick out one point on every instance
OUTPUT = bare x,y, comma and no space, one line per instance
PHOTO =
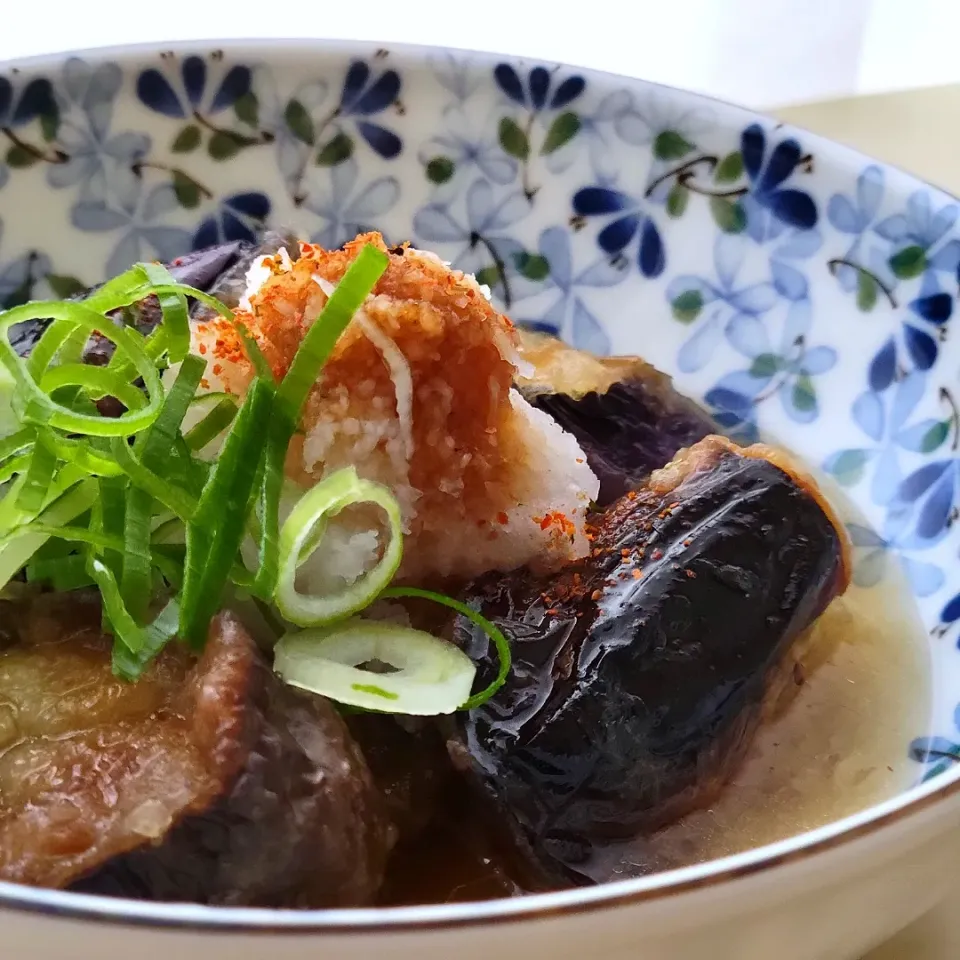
757,52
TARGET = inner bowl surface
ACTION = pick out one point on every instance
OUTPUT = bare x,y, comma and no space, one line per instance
799,290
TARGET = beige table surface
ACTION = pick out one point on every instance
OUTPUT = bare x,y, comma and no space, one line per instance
918,131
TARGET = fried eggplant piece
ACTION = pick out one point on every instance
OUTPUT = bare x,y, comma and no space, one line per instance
199,269
231,281
625,414
206,781
641,671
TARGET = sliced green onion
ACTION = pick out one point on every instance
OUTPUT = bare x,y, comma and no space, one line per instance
297,543
500,642
281,429
136,566
154,346
68,476
71,534
46,348
112,507
170,531
96,381
254,354
218,525
429,676
13,466
9,421
356,285
72,349
155,443
17,442
154,446
168,559
82,455
173,498
250,345
124,627
186,470
118,291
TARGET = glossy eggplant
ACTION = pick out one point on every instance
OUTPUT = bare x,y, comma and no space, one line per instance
206,781
231,282
640,672
626,415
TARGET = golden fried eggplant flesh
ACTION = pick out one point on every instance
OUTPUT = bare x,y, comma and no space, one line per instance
206,781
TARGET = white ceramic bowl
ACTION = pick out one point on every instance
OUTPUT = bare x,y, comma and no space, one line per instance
795,287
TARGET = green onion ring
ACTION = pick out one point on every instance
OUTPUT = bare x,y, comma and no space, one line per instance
493,632
297,543
314,351
431,677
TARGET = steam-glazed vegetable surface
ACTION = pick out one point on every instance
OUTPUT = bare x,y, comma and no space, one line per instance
640,670
524,608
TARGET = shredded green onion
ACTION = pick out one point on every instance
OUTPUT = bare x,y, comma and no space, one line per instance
16,552
17,443
173,307
223,409
97,381
36,404
62,573
13,466
39,476
217,527
130,664
112,508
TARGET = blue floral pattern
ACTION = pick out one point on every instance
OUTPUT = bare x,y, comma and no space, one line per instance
800,291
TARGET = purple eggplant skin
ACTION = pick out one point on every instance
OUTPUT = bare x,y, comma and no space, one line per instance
199,269
641,672
231,282
625,414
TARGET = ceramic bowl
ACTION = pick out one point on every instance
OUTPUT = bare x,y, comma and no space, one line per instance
798,289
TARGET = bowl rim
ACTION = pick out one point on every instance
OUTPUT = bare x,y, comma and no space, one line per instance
934,795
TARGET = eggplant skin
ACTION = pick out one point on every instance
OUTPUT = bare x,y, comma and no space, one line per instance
199,269
641,672
625,414
207,781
